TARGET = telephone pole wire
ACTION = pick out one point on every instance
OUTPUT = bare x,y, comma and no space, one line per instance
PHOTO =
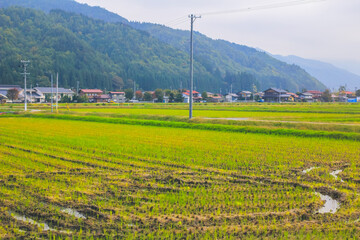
25,64
193,19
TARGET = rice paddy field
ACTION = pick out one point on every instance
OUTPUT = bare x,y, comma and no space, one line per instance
144,171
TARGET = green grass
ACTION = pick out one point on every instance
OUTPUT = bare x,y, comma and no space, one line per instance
144,171
137,180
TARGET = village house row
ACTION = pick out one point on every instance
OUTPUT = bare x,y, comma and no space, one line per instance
15,94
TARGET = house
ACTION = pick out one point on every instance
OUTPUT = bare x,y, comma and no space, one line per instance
231,97
276,95
244,95
293,97
4,91
196,96
103,98
216,98
33,96
348,94
259,96
47,91
306,97
3,98
316,94
117,97
90,93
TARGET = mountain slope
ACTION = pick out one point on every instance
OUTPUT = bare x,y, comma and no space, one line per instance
230,57
214,59
96,53
328,74
66,5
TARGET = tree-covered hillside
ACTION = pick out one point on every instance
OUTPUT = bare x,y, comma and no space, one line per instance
66,5
157,56
98,54
223,56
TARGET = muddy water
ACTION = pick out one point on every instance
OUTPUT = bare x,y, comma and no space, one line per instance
331,205
43,226
335,174
73,212
309,170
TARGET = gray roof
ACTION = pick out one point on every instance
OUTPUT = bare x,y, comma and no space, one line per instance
277,90
46,90
7,87
3,92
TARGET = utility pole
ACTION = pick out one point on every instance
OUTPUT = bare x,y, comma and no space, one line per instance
31,93
57,92
134,90
52,93
77,88
25,63
193,19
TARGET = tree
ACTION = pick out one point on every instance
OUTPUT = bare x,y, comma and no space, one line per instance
358,93
172,96
79,99
326,96
342,89
65,99
179,98
159,94
148,96
118,83
167,92
138,95
13,94
129,83
204,96
129,93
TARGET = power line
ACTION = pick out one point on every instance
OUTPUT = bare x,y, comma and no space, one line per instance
265,7
177,20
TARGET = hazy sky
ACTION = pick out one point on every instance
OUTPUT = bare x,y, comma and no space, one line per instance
326,30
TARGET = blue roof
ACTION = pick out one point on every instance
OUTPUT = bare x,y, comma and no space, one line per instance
48,90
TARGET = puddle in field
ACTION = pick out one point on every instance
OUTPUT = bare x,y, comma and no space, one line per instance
73,212
335,175
331,205
309,170
43,226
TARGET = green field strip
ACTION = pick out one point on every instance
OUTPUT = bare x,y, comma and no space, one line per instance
211,127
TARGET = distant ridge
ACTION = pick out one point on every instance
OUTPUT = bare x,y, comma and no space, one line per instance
330,75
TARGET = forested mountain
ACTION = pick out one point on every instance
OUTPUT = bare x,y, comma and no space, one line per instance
223,56
66,5
96,53
153,55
